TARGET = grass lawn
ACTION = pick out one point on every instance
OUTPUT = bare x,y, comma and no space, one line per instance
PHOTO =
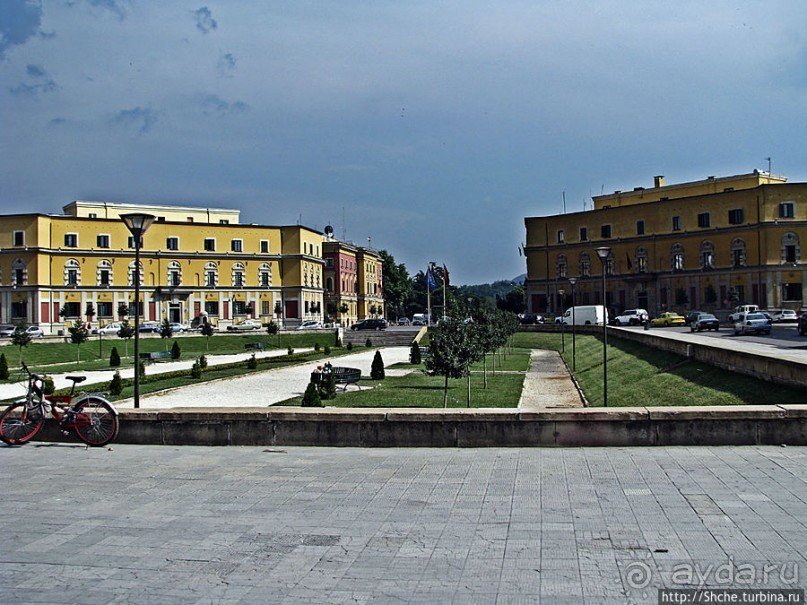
642,376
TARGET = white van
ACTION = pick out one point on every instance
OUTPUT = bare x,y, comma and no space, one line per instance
586,315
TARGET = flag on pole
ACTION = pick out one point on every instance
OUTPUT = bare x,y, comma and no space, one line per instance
445,276
430,279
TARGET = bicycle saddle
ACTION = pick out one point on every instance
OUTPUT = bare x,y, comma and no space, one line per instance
76,379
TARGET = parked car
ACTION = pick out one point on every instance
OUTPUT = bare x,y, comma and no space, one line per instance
705,321
179,328
631,317
404,321
584,315
665,320
690,317
803,324
310,325
246,326
33,331
740,311
370,324
530,318
785,315
109,329
752,323
149,327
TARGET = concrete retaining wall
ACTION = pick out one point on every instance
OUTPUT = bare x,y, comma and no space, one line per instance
719,425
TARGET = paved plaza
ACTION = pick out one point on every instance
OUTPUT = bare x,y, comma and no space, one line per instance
151,524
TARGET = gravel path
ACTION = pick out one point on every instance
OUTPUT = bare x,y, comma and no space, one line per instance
548,383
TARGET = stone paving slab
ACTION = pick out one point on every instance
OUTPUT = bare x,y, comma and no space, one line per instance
150,524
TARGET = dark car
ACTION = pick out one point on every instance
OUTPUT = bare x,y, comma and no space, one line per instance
803,324
692,316
370,324
705,321
531,318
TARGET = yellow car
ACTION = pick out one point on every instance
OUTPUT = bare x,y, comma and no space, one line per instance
668,319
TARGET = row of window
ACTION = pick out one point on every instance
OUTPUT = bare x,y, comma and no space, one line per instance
736,216
790,253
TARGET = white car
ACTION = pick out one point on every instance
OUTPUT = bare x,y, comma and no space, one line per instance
631,317
246,326
310,325
785,315
178,328
33,331
752,323
108,329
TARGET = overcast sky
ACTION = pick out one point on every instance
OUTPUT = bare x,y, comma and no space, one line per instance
432,127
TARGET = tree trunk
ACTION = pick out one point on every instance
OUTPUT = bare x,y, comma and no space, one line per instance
445,393
469,389
485,369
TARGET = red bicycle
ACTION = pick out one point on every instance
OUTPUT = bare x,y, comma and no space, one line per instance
92,417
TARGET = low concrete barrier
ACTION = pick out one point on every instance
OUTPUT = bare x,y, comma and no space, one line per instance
393,427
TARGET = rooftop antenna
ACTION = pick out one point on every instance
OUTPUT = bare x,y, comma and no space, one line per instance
769,165
369,242
564,202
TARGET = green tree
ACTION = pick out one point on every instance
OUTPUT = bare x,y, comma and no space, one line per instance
327,383
207,332
78,335
414,354
203,362
116,384
196,370
166,331
114,358
3,367
123,310
176,352
126,332
252,362
311,398
377,367
453,350
20,337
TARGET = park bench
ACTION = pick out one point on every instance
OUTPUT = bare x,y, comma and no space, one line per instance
347,376
255,346
155,356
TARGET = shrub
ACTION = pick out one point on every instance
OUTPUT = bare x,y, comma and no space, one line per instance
142,370
311,397
272,328
203,362
377,368
3,367
368,343
349,346
252,363
327,350
338,341
414,354
116,384
114,358
196,370
290,350
316,346
327,384
48,388
175,351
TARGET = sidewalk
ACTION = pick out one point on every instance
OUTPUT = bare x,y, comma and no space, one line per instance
548,383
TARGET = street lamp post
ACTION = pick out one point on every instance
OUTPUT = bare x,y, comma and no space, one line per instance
604,252
137,223
573,281
562,325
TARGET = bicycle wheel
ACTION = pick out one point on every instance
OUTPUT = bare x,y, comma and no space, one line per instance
17,426
95,421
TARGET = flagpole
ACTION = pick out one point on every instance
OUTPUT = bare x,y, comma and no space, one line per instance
428,300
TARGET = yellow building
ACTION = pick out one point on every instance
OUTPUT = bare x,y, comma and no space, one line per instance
55,269
353,281
708,244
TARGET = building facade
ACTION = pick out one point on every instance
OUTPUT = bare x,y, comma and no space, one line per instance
708,244
55,269
353,280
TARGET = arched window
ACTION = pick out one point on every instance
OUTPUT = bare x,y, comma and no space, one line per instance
561,267
174,274
132,273
211,275
103,274
585,265
738,252
329,284
72,273
641,260
265,275
238,275
19,273
677,257
791,248
707,255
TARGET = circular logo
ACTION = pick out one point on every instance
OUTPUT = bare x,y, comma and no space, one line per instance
638,575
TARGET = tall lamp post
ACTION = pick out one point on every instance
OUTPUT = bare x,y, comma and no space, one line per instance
604,252
562,325
573,281
137,223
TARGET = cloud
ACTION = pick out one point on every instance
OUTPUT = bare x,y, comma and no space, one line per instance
204,20
115,6
215,104
41,84
138,118
226,65
19,21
